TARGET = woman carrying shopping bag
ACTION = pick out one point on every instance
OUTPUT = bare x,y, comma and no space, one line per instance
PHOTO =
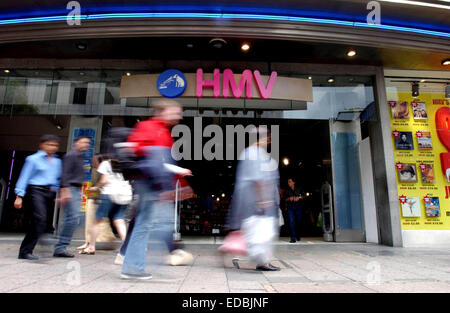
255,204
115,195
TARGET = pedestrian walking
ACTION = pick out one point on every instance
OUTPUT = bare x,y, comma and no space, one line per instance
293,197
155,214
71,181
110,186
256,200
36,190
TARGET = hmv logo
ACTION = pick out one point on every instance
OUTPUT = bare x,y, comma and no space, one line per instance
172,83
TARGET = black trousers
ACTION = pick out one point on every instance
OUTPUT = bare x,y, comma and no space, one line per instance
37,204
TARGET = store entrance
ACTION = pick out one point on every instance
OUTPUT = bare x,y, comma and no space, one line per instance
304,155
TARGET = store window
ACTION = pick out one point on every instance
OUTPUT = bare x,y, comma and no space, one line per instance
419,119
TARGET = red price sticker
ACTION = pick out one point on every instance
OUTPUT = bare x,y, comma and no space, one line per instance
422,166
396,133
402,199
419,134
399,165
427,199
414,104
392,104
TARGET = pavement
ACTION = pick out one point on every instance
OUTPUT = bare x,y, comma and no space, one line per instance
309,266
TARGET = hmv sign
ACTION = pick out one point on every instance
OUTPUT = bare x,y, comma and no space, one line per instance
172,83
249,84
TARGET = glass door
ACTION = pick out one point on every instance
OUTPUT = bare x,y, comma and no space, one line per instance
348,216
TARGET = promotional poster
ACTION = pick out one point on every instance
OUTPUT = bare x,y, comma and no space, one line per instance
420,140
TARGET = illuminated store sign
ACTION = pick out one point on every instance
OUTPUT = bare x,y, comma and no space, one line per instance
249,85
229,81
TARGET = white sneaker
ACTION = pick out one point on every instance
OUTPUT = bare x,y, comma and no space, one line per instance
119,259
143,276
180,257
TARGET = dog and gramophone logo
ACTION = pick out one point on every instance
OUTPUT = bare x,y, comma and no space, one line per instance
171,83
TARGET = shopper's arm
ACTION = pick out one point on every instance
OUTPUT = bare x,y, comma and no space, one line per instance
24,178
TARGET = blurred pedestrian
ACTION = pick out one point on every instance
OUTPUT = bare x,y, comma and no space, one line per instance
110,186
256,201
293,197
71,182
38,182
155,215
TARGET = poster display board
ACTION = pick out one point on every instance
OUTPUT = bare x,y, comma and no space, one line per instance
420,130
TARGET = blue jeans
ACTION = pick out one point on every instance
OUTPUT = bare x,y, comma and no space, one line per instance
70,220
154,220
295,217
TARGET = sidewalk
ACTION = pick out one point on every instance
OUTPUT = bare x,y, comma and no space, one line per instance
308,266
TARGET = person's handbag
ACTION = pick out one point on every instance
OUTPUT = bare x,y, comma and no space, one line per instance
234,243
122,193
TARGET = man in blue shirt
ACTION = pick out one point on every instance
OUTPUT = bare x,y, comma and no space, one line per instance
37,186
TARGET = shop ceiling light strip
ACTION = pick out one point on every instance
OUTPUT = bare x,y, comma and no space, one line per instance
226,16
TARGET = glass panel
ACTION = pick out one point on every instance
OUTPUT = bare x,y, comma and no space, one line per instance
347,181
97,92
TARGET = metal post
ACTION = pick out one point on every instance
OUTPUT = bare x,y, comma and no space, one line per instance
327,211
176,234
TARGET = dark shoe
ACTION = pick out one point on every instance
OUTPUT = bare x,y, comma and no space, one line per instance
269,267
64,254
142,276
236,263
293,241
298,239
28,256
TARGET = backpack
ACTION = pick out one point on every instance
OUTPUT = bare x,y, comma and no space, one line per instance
123,159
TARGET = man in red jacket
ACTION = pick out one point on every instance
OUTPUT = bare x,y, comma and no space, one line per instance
155,215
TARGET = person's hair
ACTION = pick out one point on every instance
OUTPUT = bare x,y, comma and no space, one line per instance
81,137
99,158
293,179
261,132
162,104
50,137
408,169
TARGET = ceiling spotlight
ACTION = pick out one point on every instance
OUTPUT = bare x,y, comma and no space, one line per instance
128,74
6,71
286,161
351,53
422,80
445,62
81,46
245,47
309,77
59,126
415,90
223,195
331,80
190,45
217,43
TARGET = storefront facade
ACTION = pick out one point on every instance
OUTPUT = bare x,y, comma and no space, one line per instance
337,122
